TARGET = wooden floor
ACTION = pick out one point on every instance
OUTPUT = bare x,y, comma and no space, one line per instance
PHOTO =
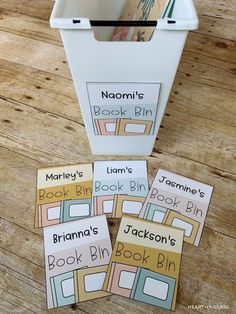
41,125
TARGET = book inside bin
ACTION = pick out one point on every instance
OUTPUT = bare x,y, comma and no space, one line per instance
135,15
123,57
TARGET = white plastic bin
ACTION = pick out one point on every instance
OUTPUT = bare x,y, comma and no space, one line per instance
123,87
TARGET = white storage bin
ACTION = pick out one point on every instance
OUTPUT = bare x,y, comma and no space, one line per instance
123,87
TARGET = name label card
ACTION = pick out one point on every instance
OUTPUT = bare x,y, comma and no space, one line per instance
119,187
124,109
76,253
188,199
63,194
145,262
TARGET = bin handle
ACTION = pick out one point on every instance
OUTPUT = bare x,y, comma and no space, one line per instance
164,24
110,23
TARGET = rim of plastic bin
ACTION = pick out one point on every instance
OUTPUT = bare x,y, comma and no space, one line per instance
82,23
164,24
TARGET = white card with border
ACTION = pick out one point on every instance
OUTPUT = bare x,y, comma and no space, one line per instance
77,254
119,187
179,202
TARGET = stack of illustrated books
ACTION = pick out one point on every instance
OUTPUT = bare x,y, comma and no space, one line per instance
142,10
73,204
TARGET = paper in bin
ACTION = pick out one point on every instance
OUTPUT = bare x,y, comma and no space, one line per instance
138,10
156,11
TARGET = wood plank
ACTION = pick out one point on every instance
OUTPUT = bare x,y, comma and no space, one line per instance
35,54
18,267
27,245
221,28
20,208
206,141
10,160
203,101
30,303
44,91
207,71
125,306
44,137
206,272
10,306
217,8
105,305
29,27
32,296
41,9
213,47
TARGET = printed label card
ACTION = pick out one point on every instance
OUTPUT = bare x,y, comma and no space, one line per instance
124,108
63,194
145,262
119,187
77,254
179,202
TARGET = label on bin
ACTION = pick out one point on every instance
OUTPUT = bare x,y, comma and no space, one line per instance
124,109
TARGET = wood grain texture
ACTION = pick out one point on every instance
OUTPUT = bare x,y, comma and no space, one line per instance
41,125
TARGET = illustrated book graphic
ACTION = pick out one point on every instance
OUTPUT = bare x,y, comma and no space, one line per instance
63,194
179,202
77,254
145,262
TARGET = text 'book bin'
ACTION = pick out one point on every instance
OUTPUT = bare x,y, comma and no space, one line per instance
122,86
